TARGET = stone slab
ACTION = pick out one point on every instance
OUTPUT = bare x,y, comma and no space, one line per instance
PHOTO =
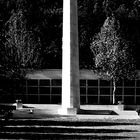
68,111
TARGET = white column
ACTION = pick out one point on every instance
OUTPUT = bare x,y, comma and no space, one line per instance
70,60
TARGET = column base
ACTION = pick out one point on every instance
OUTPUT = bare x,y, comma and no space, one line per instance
68,111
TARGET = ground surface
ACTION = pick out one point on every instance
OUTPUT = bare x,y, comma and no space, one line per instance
45,123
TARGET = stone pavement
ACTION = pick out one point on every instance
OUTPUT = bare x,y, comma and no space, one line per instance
41,122
42,111
69,128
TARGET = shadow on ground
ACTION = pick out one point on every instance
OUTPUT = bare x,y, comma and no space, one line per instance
65,137
97,112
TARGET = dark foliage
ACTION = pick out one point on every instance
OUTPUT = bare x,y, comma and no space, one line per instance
44,19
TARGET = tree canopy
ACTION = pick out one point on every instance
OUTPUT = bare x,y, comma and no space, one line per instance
21,48
44,19
112,53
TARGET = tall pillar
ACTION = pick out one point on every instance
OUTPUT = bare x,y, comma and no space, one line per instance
70,60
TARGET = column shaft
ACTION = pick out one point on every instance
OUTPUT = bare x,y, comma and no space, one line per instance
70,60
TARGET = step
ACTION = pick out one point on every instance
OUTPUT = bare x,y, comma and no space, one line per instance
59,129
73,129
64,122
32,135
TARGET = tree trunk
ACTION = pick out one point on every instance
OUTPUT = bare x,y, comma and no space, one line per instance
114,90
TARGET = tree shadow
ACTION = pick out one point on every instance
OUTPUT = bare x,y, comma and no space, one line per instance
62,137
93,137
97,112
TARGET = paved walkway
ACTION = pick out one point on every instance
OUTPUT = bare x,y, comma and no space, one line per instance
41,111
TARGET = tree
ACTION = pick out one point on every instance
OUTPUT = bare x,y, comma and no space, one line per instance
113,55
89,22
44,20
21,48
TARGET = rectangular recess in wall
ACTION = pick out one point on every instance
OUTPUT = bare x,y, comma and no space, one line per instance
32,82
56,90
118,98
129,100
92,82
138,83
82,91
138,91
56,82
44,82
56,99
44,90
32,90
105,100
118,91
129,83
44,99
105,83
82,99
104,91
93,91
138,100
82,82
92,99
33,99
129,91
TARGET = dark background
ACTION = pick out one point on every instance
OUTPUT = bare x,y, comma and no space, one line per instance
44,18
